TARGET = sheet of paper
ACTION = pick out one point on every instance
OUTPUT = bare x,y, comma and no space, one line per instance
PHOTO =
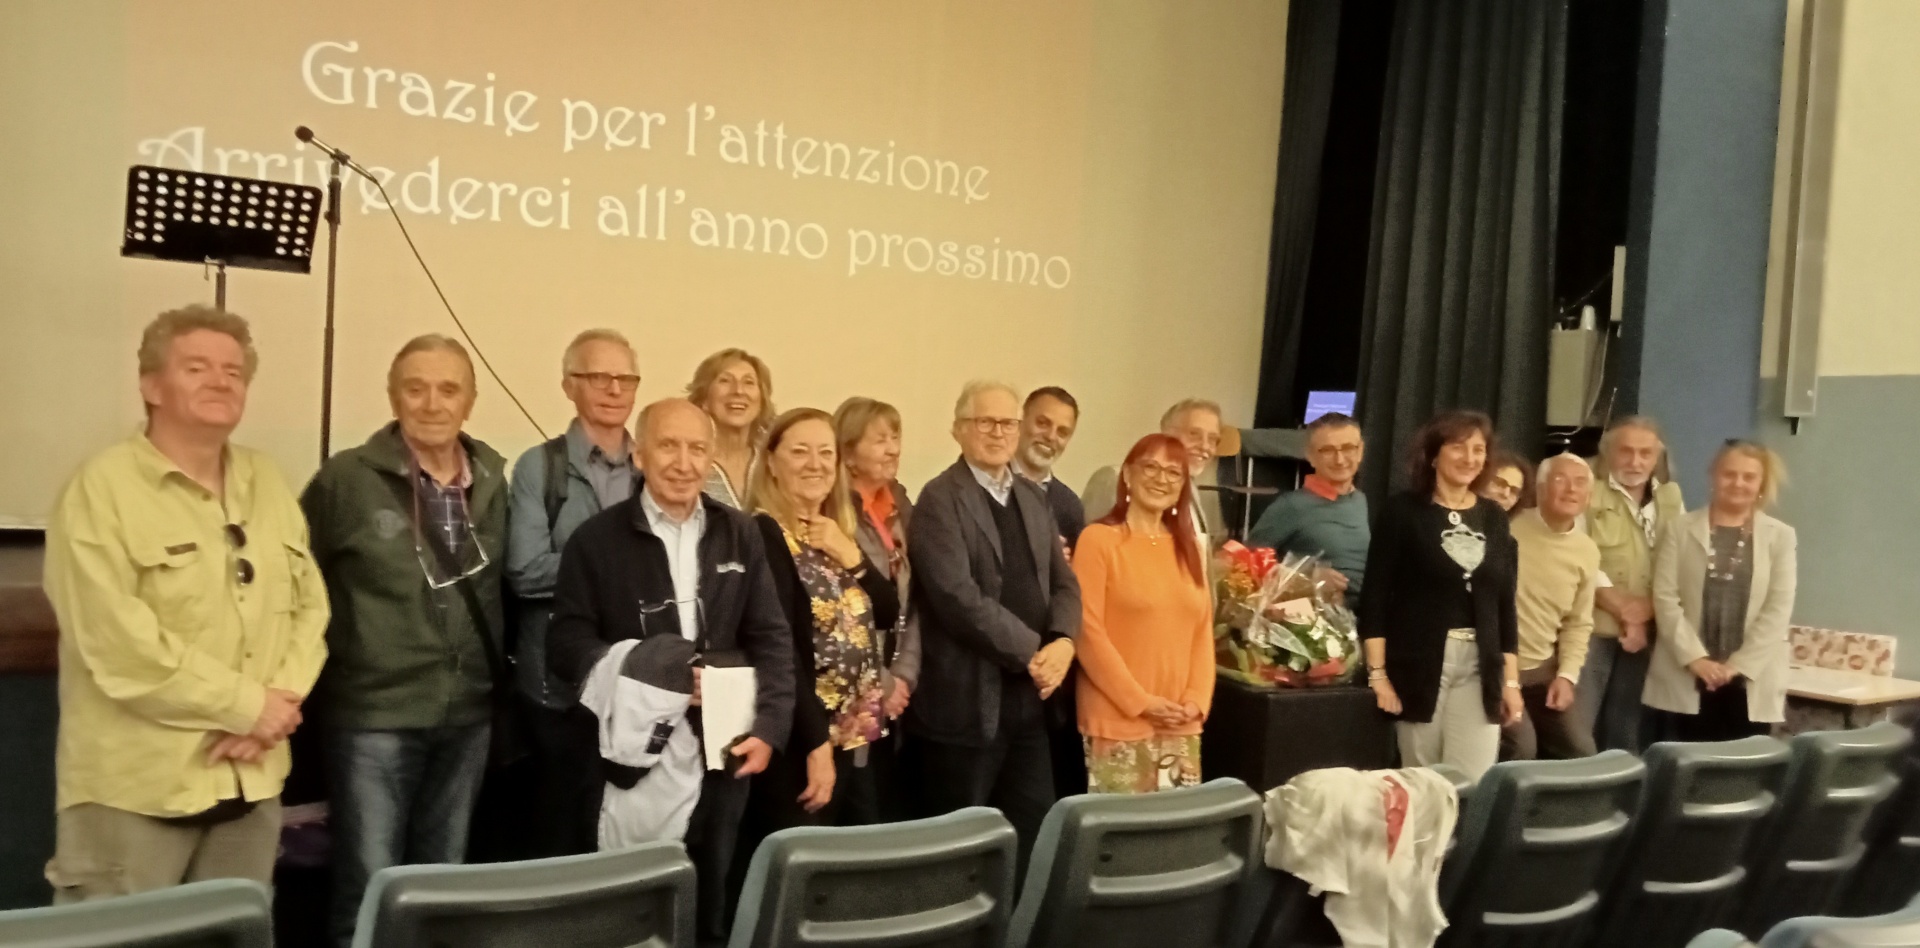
726,709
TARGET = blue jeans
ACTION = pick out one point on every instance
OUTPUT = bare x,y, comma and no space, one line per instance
1608,696
398,798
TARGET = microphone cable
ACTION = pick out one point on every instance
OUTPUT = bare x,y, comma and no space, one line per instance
464,334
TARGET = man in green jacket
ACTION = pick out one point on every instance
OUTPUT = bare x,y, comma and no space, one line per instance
409,531
1633,500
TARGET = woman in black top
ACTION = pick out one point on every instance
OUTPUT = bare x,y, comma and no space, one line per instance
837,603
1438,619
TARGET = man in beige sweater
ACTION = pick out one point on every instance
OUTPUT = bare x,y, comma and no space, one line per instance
1559,567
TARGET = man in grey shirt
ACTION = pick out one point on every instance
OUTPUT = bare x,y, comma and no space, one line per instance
556,487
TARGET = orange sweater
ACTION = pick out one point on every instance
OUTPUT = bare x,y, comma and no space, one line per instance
1146,631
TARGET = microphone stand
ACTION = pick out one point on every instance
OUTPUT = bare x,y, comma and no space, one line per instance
333,266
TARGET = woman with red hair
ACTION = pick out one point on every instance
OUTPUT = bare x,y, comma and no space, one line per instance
1146,633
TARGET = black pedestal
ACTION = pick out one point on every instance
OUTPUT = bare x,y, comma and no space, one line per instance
1267,736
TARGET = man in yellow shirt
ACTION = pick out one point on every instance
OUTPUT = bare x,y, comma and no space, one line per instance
1559,567
192,625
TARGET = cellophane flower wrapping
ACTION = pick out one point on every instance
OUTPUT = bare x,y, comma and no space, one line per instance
1276,625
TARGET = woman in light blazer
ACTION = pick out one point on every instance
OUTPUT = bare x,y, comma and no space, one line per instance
1723,584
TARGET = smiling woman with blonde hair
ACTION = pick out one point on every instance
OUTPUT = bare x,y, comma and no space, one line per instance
1723,590
735,389
837,604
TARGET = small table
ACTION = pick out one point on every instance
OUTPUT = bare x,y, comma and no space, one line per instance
1267,736
1852,692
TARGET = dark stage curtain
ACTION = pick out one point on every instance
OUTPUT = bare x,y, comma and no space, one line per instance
1313,35
1460,275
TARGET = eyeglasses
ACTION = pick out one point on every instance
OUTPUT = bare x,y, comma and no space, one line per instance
654,616
1163,473
987,426
243,569
1341,450
605,381
463,556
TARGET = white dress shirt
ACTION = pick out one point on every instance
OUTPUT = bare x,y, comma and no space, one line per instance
1000,487
682,539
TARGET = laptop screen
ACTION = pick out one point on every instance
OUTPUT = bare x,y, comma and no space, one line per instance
1322,403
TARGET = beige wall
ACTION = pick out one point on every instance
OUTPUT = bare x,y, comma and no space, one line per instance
1133,140
1869,321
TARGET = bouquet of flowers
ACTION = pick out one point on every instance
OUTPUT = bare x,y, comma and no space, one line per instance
1277,626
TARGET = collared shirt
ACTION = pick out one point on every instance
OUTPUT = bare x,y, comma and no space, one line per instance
1324,489
1043,480
161,644
880,507
610,475
682,539
1001,488
444,518
1646,514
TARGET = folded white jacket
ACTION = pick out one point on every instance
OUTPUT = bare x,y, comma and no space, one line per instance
1329,827
646,727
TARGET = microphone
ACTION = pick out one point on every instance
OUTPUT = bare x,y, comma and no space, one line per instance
305,134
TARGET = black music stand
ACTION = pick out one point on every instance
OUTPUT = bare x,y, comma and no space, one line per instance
220,221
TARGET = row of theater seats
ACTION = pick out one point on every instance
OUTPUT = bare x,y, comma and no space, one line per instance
1614,850
1609,850
1892,930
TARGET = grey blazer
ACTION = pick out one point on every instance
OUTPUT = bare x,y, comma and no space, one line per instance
970,644
1679,579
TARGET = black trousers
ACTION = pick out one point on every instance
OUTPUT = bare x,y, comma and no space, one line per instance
1722,717
1013,772
565,815
713,836
1068,747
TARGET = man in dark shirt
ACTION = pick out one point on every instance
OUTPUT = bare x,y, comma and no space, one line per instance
1047,422
999,610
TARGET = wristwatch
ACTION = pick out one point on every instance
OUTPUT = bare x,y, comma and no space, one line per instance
1515,685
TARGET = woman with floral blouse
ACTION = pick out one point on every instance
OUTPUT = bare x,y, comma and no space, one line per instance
835,601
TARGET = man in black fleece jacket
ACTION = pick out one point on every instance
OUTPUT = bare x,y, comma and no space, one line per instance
671,561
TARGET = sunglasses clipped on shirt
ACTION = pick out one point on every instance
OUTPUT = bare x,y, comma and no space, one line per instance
243,568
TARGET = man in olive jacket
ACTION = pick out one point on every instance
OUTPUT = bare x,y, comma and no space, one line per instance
409,532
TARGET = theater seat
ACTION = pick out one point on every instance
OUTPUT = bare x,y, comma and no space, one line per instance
946,881
223,913
1717,938
1541,840
640,897
1893,930
1813,840
1691,839
1147,870
1888,875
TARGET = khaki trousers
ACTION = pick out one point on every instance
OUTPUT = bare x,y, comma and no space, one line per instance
100,851
1459,733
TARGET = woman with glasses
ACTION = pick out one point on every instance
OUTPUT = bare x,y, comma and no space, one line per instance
838,604
1438,620
1146,630
1509,482
1723,587
736,391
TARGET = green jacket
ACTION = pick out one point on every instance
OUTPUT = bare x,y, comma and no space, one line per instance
1625,555
400,653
